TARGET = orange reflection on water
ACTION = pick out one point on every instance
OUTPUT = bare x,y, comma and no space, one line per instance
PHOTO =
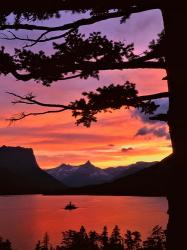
24,219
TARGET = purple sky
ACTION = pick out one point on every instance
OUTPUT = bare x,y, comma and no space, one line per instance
56,139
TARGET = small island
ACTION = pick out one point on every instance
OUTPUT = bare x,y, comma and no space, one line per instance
70,206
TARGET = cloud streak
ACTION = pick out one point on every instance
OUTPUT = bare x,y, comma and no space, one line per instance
126,150
156,131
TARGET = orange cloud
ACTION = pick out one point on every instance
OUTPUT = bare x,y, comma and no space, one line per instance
111,141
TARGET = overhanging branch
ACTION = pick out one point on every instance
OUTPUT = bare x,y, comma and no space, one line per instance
71,5
125,8
154,96
72,25
87,110
91,66
40,39
23,115
30,99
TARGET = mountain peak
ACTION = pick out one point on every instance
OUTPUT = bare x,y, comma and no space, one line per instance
88,174
88,162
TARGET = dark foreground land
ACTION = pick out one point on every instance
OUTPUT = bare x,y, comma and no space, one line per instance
81,240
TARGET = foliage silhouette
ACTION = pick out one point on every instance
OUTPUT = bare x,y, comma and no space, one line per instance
133,240
5,244
81,240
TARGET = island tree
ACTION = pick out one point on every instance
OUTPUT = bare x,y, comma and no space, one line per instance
82,57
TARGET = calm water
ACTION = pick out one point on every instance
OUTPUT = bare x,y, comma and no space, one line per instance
24,219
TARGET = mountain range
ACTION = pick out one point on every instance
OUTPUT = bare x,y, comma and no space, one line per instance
88,174
151,181
20,173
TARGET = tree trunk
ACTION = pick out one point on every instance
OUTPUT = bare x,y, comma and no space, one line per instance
175,23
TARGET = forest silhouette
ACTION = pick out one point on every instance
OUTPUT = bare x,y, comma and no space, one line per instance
83,240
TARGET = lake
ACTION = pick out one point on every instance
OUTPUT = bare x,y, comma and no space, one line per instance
24,219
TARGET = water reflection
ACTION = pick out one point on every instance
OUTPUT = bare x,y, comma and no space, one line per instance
24,219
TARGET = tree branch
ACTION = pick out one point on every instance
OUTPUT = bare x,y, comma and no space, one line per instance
153,96
133,64
159,117
125,9
23,115
54,6
38,40
91,66
86,55
73,25
27,77
108,4
29,99
88,110
34,41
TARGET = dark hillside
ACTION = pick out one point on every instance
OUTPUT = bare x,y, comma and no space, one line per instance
20,173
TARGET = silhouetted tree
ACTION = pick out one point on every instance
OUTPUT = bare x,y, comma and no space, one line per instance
45,241
93,240
116,241
38,245
44,244
157,240
133,240
81,240
82,57
104,239
69,240
74,240
5,244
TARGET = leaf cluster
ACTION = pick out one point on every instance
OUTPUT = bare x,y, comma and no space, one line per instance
76,53
109,98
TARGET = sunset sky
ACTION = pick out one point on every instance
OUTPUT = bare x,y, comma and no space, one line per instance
118,138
